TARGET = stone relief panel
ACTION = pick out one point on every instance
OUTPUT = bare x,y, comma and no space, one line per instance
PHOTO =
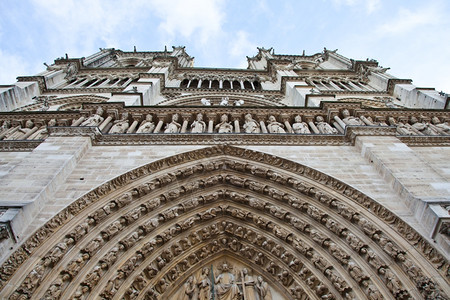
226,278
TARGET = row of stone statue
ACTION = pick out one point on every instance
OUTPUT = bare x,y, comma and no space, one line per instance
226,286
30,131
414,127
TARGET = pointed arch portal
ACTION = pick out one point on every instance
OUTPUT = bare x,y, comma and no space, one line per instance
150,234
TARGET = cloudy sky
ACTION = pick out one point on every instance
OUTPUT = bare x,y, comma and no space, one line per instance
412,37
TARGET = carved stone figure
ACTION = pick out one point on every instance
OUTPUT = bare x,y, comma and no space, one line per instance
94,120
248,285
204,285
5,126
198,126
300,127
226,287
189,289
350,120
205,102
275,127
42,133
421,127
54,291
324,127
147,126
224,101
263,289
174,126
224,126
250,125
436,122
21,132
120,126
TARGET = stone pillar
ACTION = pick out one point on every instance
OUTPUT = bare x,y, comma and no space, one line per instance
339,128
161,118
185,123
9,132
309,120
365,120
285,119
340,122
29,133
112,113
211,118
79,121
237,127
136,118
261,123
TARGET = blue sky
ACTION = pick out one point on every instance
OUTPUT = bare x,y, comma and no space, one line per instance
411,37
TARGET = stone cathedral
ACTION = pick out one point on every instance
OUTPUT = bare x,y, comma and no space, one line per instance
135,175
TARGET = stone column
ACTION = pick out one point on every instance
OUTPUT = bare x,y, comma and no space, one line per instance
309,120
136,118
340,122
29,133
185,123
285,119
237,127
161,118
112,114
261,119
9,132
78,121
365,120
211,118
338,127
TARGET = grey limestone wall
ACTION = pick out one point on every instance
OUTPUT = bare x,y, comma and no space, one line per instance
62,169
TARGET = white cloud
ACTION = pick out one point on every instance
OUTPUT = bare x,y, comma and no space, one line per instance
199,19
12,66
80,26
369,5
242,46
408,20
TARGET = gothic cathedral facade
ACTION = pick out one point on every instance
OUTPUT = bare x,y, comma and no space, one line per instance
135,175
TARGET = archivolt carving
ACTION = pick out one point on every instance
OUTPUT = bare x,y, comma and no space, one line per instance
142,234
